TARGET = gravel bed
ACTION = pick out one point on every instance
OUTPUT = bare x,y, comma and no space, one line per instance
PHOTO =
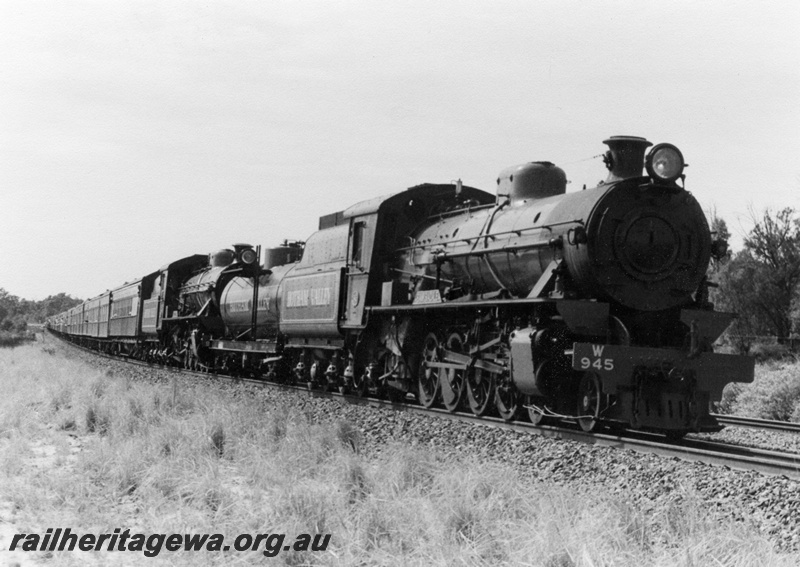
771,504
784,441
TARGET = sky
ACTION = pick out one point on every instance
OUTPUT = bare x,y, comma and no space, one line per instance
135,133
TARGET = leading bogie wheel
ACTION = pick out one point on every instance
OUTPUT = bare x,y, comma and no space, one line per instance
452,379
428,377
590,396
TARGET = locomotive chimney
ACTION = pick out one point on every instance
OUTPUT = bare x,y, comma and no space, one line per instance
625,157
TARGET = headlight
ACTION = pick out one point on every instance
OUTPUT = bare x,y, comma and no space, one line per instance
664,162
248,256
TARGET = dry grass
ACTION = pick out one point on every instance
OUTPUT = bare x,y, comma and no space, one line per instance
94,451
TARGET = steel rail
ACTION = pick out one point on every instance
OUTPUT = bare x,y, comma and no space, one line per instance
754,423
709,452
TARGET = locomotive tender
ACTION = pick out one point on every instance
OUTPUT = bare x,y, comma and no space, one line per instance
590,306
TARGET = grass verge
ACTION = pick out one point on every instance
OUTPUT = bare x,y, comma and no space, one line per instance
95,451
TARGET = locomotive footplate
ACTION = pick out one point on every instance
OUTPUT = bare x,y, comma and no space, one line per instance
662,388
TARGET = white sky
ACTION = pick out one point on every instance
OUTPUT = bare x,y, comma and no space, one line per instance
136,133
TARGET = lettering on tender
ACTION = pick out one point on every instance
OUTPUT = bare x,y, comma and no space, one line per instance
309,296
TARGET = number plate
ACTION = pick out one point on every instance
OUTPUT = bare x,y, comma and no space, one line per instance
594,359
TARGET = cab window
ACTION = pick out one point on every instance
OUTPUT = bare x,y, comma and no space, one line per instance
358,243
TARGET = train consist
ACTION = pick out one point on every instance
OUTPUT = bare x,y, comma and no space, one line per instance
590,305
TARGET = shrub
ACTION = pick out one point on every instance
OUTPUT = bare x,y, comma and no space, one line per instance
15,338
774,394
730,398
768,352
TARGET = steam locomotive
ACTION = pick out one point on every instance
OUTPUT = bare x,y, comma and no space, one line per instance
590,306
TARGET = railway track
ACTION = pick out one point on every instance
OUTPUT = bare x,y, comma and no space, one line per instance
709,452
753,423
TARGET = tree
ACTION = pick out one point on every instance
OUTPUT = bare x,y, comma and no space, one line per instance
55,304
719,231
719,227
761,283
736,292
16,313
9,305
774,243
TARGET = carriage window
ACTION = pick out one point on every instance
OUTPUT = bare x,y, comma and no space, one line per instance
358,243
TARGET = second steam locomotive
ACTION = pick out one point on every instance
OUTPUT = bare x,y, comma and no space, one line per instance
590,306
